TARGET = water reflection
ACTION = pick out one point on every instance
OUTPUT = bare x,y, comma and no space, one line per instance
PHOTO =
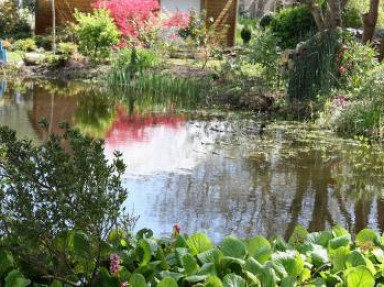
214,173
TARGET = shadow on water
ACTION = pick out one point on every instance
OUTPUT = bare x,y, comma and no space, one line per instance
212,172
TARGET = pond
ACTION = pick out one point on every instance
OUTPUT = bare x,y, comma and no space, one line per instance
220,173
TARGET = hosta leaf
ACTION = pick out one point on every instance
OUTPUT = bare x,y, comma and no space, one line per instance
199,243
189,264
137,280
210,256
360,276
196,278
207,269
298,236
288,264
233,247
213,281
344,240
174,275
367,236
259,248
338,231
233,280
167,282
339,258
318,255
288,282
355,258
321,238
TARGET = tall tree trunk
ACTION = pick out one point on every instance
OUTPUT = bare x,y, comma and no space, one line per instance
335,13
370,20
317,14
53,26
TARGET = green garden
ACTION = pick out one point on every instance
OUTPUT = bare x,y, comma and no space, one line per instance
275,167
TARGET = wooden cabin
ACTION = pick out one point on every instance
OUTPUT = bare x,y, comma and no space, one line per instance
224,12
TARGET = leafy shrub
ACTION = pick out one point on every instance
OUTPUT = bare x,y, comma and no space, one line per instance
293,25
96,33
246,34
67,49
355,63
58,201
352,15
264,51
26,45
13,24
266,20
140,58
44,42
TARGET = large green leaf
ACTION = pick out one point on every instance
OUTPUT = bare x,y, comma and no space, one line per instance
210,256
360,276
344,240
356,258
288,282
137,280
265,273
317,253
213,281
233,280
339,258
207,269
143,252
367,236
338,231
174,275
199,243
79,243
167,282
189,264
6,262
233,247
321,238
16,279
298,236
290,264
259,248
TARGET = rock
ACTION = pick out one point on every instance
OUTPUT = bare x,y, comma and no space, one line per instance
33,59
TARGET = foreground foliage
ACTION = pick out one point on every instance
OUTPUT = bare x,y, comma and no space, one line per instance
327,258
58,202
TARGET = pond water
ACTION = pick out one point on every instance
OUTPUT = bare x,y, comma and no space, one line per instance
209,171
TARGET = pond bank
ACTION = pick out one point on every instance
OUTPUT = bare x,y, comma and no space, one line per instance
229,95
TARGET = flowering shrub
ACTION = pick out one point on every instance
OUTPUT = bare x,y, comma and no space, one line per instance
355,60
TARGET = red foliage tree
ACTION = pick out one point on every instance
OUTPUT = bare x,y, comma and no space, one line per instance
139,17
133,17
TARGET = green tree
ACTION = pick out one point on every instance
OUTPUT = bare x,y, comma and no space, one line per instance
58,201
96,33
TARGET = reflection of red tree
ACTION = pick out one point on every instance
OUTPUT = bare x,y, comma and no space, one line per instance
131,128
